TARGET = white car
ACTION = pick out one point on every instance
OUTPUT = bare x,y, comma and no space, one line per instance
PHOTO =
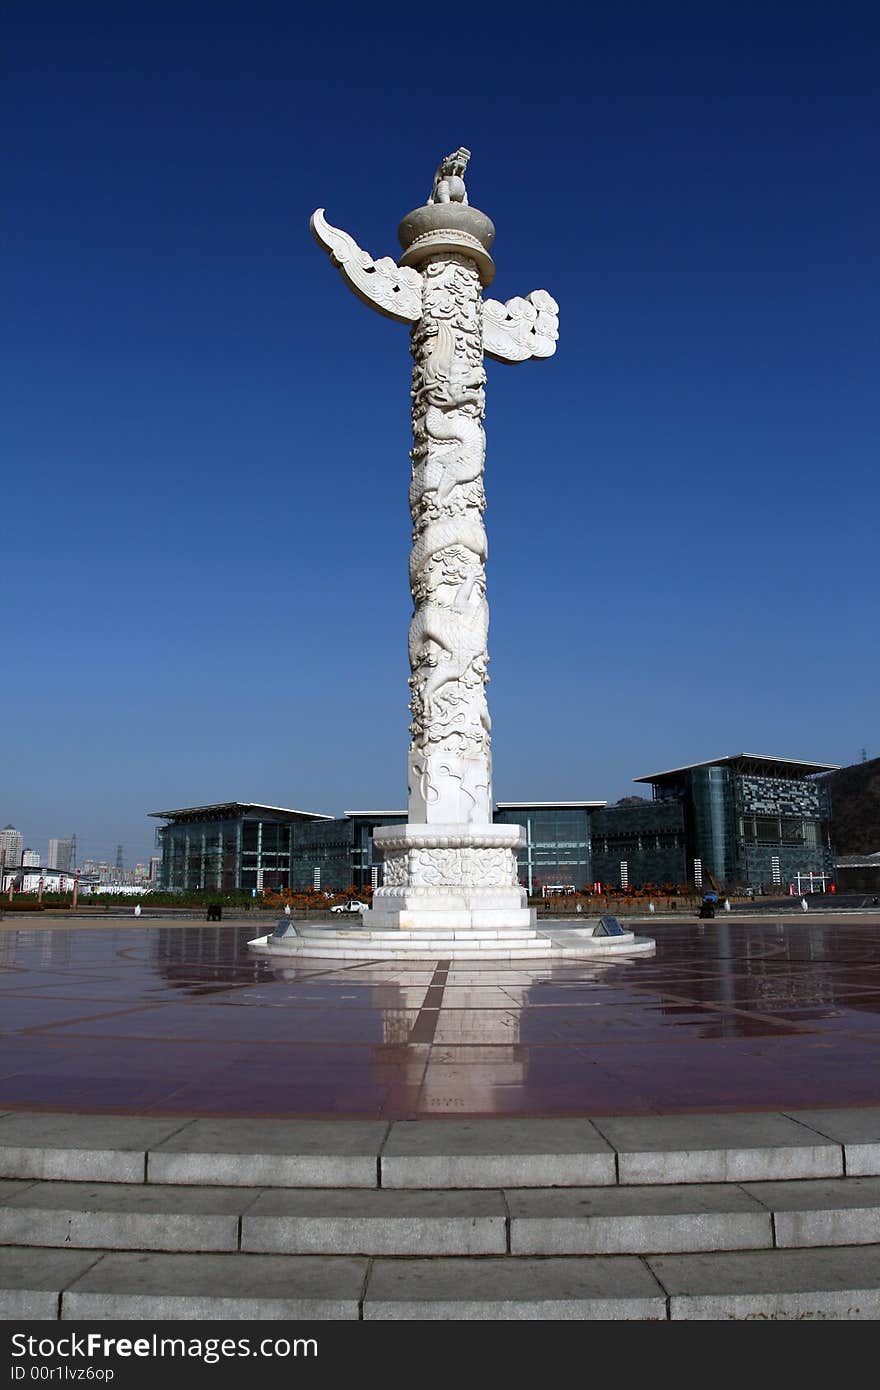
353,906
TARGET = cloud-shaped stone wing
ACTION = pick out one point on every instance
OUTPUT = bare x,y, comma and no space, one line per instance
521,328
394,290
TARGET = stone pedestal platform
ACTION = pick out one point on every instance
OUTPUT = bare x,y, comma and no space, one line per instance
563,940
450,877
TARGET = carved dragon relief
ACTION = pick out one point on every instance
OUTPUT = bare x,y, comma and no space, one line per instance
449,629
450,868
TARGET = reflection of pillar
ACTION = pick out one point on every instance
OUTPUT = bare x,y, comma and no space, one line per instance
56,947
494,1058
396,1024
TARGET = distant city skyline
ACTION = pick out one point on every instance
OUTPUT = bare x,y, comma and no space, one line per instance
683,511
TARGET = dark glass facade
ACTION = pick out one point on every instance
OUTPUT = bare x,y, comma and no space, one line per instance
338,854
782,819
201,854
230,847
740,822
710,804
366,869
750,822
236,847
642,843
557,850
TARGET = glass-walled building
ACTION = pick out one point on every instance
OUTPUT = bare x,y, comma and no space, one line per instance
750,820
337,854
742,821
320,856
229,846
366,869
556,854
235,845
639,842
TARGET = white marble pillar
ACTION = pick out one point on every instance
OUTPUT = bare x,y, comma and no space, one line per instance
449,866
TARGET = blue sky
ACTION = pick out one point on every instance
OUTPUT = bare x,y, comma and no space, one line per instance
206,525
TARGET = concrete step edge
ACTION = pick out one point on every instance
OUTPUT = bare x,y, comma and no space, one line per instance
443,1222
568,1152
837,1283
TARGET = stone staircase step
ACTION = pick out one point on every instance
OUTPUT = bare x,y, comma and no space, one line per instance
377,1223
836,1211
31,1280
125,1216
541,946
524,1222
420,950
177,1286
857,1130
93,1148
277,1153
842,1283
837,1282
479,1153
753,1147
525,1290
637,1220
498,1153
766,1284
427,936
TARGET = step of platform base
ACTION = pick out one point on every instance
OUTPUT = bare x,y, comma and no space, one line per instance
437,936
81,1285
76,1285
468,1154
361,945
355,1221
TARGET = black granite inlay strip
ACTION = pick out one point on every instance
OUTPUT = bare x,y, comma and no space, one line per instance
425,1026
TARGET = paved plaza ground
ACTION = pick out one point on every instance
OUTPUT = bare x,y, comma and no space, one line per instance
736,1014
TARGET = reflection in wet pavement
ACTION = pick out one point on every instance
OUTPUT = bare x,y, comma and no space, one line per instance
184,1020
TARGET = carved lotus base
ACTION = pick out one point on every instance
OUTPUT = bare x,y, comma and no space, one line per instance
458,876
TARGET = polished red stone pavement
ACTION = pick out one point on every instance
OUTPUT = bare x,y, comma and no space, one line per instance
731,1014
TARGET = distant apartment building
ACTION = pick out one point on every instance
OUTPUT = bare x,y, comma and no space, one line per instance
36,880
11,847
30,859
62,855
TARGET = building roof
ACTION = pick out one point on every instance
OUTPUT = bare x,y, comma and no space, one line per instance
233,808
546,805
795,766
